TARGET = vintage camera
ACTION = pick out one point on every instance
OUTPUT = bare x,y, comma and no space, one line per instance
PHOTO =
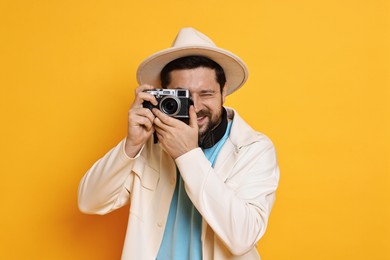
173,102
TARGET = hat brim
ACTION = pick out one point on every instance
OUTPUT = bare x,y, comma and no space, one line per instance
236,71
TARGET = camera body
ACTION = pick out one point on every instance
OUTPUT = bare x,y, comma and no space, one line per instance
173,102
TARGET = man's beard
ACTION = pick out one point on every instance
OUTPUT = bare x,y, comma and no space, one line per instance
211,124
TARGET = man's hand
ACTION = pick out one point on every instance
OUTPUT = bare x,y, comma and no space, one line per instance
175,136
140,121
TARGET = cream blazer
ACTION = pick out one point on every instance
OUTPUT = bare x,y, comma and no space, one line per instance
234,198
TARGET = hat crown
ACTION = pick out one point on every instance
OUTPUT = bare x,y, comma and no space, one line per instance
190,42
191,37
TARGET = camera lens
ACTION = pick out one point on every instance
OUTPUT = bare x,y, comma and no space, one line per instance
170,105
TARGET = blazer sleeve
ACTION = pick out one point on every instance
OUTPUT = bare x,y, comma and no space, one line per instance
237,208
106,185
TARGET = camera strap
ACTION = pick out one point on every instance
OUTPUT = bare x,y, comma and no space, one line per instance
212,137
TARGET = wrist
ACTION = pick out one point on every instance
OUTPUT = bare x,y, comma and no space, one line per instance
130,149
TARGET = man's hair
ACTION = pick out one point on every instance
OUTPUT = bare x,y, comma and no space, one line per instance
192,62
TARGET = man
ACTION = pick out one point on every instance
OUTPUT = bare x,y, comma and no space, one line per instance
201,189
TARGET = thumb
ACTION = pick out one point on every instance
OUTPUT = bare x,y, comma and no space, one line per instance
193,118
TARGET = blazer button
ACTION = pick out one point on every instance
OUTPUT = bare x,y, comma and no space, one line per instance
160,224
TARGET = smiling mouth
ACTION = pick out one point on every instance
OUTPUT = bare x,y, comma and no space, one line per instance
201,118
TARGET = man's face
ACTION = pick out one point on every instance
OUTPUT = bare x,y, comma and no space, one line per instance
205,92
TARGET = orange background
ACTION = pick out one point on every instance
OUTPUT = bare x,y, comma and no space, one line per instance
318,86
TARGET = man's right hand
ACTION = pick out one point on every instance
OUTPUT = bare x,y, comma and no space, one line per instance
140,121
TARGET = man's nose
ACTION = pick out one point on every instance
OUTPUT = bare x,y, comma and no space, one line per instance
197,104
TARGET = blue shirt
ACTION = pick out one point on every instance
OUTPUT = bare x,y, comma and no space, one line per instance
182,235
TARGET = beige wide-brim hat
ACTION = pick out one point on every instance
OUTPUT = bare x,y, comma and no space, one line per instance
190,42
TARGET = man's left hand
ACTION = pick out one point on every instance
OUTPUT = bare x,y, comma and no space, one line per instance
175,136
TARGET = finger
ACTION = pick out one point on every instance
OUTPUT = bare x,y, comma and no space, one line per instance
142,88
142,121
160,132
142,96
193,117
138,115
159,125
141,111
163,118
